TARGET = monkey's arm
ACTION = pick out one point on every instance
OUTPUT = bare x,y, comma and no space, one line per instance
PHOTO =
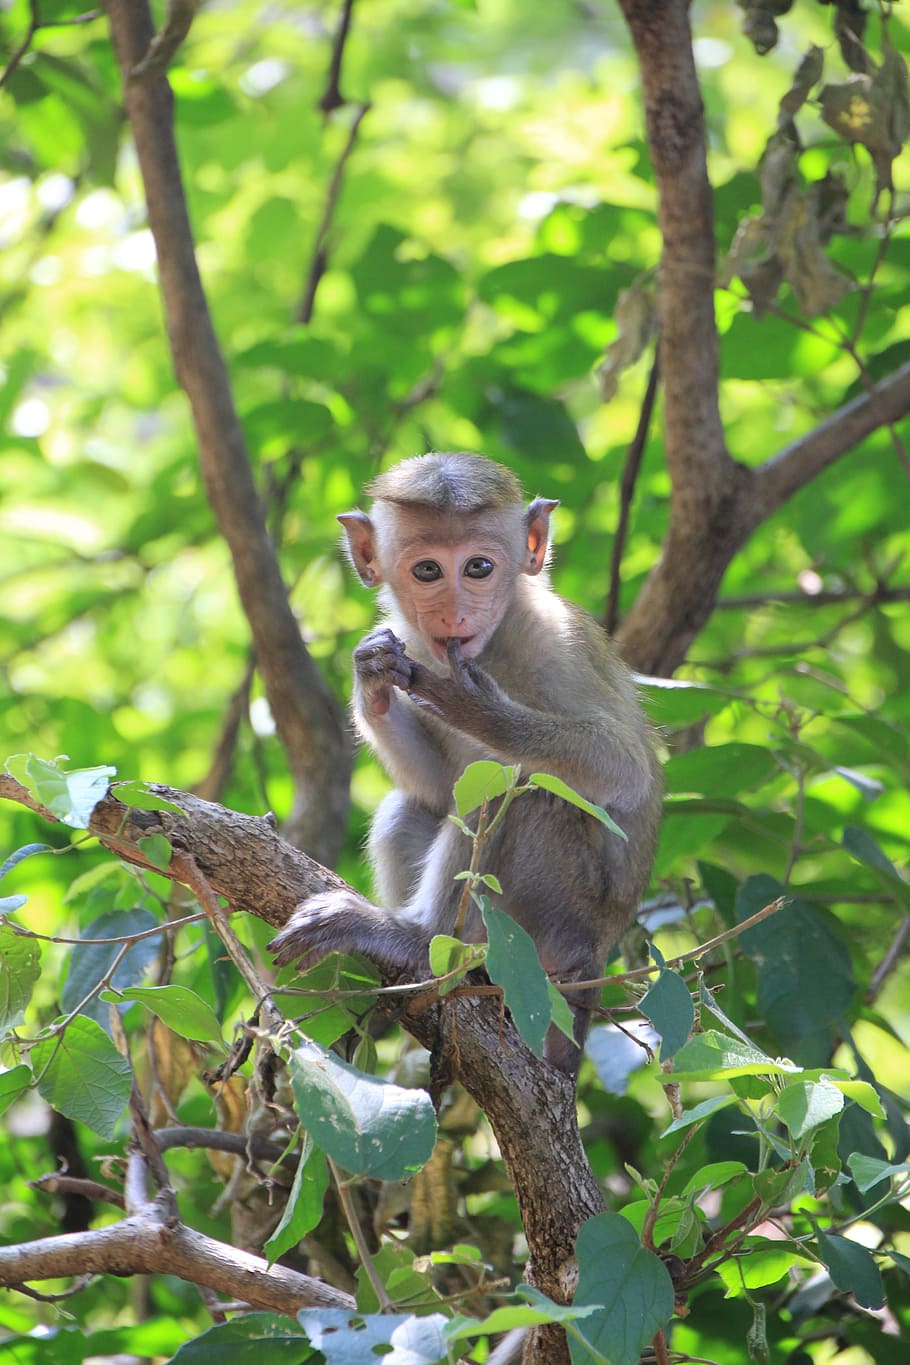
602,751
395,729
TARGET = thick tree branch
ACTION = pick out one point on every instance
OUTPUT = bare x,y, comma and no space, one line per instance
152,1242
308,719
715,503
794,466
700,467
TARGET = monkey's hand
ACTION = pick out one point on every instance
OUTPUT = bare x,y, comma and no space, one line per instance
380,663
468,699
343,922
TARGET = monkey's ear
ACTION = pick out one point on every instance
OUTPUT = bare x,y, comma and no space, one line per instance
537,519
361,536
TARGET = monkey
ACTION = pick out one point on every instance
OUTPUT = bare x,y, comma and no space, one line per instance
476,656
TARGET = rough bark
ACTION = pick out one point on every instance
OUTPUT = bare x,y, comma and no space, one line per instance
310,723
153,1241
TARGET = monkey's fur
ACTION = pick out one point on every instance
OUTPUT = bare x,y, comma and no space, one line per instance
459,560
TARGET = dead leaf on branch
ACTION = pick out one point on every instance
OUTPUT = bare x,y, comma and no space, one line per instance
873,110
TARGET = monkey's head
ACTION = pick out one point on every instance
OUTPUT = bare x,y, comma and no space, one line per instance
449,536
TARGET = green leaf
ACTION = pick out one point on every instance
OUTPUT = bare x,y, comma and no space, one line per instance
20,855
180,1008
805,976
82,1075
481,781
861,845
346,1338
766,1263
674,702
254,1339
713,1056
71,796
700,1111
721,769
303,1209
367,1125
669,1007
713,1176
853,1269
863,1094
868,1171
630,1284
539,1309
13,1084
20,967
90,963
512,963
559,788
805,1104
561,1011
448,954
140,796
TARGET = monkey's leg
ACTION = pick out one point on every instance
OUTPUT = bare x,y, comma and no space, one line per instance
401,834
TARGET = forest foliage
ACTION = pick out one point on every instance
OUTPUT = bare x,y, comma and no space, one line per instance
453,243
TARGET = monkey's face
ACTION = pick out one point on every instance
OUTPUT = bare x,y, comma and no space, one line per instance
453,586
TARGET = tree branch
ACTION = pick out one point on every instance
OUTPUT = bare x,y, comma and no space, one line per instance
715,503
696,452
626,490
152,1242
309,720
797,464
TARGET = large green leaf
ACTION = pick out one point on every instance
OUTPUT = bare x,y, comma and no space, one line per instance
630,1284
367,1125
512,963
805,976
72,795
20,968
303,1209
805,1104
90,963
177,1006
853,1269
254,1339
83,1075
668,1005
713,1056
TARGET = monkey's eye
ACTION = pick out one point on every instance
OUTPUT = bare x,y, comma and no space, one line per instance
478,567
427,571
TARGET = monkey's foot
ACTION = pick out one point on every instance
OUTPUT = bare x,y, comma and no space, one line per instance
343,922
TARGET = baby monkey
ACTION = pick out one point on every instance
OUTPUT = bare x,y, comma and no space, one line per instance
477,657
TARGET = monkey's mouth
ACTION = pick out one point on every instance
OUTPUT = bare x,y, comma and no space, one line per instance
441,644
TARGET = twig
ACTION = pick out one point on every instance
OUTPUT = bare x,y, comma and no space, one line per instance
36,22
164,46
888,962
189,872
826,598
54,1183
212,785
641,972
332,97
16,58
626,492
360,1242
320,256
164,928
